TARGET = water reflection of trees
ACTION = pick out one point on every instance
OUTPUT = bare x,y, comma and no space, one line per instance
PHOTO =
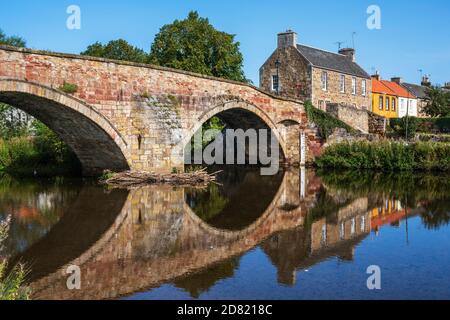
241,196
35,206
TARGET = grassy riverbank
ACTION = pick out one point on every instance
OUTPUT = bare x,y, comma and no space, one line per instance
387,156
11,284
40,155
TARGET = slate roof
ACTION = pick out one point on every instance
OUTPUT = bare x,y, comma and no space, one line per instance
419,91
331,61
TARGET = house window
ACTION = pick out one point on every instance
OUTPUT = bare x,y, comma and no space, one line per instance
342,231
387,104
321,105
353,227
394,104
275,83
324,81
353,86
324,235
380,103
364,88
342,83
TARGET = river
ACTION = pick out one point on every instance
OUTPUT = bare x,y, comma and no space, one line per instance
299,234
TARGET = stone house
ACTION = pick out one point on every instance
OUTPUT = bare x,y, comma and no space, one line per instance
323,77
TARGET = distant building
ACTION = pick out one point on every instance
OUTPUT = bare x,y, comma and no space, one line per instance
420,91
391,100
306,73
384,99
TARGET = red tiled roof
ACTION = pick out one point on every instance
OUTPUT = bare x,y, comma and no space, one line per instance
398,89
379,87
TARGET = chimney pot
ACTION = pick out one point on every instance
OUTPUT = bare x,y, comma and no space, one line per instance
349,52
426,81
376,76
397,80
287,39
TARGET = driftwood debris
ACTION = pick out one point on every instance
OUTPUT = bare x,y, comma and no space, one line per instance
135,179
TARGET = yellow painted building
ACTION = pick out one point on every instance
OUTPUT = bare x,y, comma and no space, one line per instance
384,99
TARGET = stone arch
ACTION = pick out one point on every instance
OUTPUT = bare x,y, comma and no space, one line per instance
235,111
92,137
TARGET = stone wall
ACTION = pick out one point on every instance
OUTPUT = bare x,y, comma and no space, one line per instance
354,117
377,124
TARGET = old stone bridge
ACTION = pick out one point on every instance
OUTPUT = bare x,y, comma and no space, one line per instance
133,116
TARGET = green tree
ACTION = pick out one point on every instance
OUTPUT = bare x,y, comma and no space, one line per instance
195,45
11,40
439,104
13,122
117,50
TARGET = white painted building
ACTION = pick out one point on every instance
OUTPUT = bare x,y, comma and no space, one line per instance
407,106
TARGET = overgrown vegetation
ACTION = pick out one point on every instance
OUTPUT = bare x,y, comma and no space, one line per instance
419,125
11,284
325,122
69,88
439,103
387,156
39,153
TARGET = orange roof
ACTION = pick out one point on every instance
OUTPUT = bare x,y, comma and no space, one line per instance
398,89
379,87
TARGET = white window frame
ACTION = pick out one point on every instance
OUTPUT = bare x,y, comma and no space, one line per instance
275,89
342,83
364,88
353,86
324,81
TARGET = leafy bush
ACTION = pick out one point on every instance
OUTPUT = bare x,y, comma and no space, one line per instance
324,121
45,154
387,156
423,125
69,88
11,284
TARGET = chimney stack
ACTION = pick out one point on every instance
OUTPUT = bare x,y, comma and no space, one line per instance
447,86
376,76
287,39
397,80
426,81
349,52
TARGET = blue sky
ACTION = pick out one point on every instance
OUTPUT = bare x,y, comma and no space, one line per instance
415,34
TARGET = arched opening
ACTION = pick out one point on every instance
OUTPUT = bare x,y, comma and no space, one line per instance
92,138
256,130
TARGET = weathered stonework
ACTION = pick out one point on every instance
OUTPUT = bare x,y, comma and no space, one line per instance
293,71
321,98
132,116
354,117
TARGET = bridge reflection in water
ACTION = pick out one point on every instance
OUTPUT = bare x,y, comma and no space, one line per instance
131,241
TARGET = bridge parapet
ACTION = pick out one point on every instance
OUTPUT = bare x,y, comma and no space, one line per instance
152,109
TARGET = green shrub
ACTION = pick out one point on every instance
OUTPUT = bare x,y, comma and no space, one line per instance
387,156
69,88
11,284
324,121
45,154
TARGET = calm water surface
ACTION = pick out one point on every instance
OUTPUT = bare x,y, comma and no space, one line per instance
297,235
